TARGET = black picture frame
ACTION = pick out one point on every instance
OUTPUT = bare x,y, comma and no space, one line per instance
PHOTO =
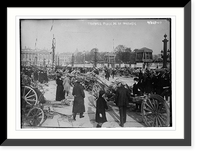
127,142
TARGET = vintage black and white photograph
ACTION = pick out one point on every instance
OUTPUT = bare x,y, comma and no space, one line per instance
95,73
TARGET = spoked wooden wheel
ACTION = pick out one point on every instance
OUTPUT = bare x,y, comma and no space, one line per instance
35,116
155,112
95,90
29,95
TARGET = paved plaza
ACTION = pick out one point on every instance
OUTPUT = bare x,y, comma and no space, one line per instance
60,114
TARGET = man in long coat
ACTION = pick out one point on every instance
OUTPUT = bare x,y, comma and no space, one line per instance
122,99
107,74
35,75
40,76
79,95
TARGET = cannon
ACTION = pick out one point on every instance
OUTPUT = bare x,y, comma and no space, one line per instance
154,109
31,102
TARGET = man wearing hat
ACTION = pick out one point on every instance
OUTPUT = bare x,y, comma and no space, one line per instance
122,99
137,92
79,95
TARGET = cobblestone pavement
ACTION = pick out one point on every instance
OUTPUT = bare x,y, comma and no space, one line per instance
60,115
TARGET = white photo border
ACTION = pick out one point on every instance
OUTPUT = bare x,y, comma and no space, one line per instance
13,61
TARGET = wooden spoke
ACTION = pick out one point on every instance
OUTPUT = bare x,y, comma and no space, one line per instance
32,100
159,121
31,96
148,114
155,112
29,103
35,116
36,122
148,107
149,104
162,109
162,121
162,116
31,112
28,92
38,112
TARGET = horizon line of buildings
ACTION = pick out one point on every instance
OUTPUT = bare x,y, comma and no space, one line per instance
43,57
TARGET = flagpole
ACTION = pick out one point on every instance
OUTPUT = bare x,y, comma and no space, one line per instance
36,57
53,45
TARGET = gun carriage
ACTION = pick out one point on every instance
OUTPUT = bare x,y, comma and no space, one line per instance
154,109
31,102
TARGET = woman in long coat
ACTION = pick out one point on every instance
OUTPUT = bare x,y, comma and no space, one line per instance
66,84
101,106
79,95
60,94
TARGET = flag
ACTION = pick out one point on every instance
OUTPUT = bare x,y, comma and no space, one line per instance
52,25
35,42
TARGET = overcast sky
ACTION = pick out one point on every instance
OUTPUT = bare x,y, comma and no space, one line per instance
87,34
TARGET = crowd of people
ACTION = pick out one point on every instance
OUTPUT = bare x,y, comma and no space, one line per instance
145,82
37,74
63,90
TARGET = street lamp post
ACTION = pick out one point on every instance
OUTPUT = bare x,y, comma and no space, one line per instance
44,63
95,58
108,60
84,61
165,52
72,60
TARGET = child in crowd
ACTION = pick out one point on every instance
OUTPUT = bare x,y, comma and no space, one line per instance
101,106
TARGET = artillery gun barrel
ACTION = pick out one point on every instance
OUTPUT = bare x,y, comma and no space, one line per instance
102,81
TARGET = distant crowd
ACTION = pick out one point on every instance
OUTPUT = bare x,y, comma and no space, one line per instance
150,81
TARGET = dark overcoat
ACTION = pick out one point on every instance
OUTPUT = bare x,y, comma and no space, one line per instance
79,95
122,97
101,106
41,76
137,89
60,94
35,75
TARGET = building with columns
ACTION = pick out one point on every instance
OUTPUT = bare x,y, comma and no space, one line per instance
64,59
110,59
144,55
36,57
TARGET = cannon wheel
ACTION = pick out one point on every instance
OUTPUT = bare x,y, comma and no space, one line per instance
155,111
35,116
29,95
